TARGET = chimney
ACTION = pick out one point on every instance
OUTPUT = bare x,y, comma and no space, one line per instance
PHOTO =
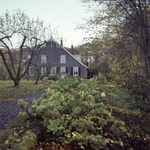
61,42
72,49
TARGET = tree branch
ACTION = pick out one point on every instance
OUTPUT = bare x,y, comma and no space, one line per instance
5,63
10,55
21,57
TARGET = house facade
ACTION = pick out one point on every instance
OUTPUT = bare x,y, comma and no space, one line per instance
53,58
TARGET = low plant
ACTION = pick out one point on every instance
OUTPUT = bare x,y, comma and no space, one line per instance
102,78
45,79
20,135
119,96
73,111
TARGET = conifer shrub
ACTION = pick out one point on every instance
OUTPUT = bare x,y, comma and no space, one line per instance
74,111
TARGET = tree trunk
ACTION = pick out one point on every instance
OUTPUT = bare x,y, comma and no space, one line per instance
96,62
16,82
38,75
148,67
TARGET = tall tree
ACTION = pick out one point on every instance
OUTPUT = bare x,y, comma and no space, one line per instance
92,52
25,35
97,51
131,18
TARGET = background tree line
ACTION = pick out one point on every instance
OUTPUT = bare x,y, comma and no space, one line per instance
124,27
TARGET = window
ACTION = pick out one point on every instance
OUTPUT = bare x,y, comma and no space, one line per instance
75,71
43,70
31,71
53,71
29,56
43,59
62,71
62,59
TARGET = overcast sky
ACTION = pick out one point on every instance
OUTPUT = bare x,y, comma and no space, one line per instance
63,14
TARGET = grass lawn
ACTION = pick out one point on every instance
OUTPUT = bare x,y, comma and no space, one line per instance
8,91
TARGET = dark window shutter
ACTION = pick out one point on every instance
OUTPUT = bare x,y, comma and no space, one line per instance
47,70
66,69
79,71
72,71
58,70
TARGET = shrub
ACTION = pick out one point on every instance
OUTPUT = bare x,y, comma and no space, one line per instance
77,113
101,78
45,79
28,142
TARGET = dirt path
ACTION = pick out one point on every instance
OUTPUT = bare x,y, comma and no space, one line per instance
9,110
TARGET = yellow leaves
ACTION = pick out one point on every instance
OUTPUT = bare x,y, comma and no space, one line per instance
68,135
7,141
110,58
18,140
99,136
24,141
74,134
62,98
110,112
147,136
15,134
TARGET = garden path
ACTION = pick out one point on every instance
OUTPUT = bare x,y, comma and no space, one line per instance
9,109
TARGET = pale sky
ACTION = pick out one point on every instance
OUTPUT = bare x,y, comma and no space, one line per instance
60,14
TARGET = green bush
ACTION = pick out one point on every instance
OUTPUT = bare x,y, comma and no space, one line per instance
73,108
28,142
18,136
102,79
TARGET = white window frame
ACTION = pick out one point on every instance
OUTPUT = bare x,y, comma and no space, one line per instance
43,59
43,70
62,59
29,56
53,71
62,71
31,71
75,71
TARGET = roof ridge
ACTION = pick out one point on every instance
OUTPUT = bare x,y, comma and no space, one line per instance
73,57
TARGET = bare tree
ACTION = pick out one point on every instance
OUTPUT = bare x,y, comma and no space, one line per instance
25,35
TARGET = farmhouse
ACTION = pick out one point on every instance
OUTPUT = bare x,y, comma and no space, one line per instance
53,58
